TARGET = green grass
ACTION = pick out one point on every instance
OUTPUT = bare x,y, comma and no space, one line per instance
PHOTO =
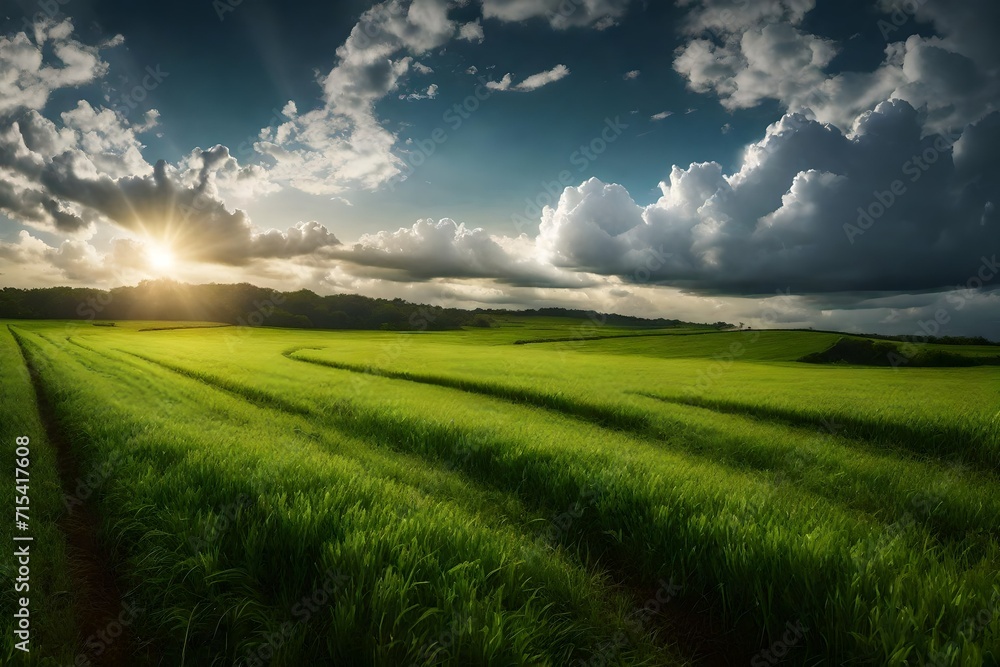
53,630
518,504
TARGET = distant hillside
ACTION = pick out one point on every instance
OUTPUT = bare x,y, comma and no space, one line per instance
864,352
249,305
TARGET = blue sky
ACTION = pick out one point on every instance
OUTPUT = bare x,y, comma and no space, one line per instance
284,136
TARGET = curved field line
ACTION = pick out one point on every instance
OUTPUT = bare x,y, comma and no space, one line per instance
584,339
180,328
950,525
622,418
98,597
903,438
610,555
125,365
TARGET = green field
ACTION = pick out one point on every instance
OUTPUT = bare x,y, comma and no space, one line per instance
611,496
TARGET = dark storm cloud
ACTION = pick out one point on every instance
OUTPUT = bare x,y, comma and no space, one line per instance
811,209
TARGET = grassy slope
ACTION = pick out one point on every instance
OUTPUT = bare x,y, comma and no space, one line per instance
961,519
53,628
414,560
730,495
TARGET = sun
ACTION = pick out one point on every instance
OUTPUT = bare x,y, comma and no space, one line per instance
160,257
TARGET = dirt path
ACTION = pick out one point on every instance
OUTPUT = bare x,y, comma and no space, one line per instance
102,615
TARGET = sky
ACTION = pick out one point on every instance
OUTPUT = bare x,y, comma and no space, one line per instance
782,163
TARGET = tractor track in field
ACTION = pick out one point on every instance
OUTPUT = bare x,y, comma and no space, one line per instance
598,415
646,432
682,623
856,434
98,603
867,434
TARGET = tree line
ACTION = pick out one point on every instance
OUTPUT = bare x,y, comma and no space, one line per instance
249,305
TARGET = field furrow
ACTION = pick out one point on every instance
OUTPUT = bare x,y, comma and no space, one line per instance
526,512
395,552
808,459
855,581
958,443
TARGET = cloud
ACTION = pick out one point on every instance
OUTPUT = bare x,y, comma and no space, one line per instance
561,14
29,80
811,209
472,70
471,32
446,249
190,218
421,68
752,52
429,94
343,145
67,178
634,74
94,141
75,260
536,81
502,84
531,83
662,115
727,128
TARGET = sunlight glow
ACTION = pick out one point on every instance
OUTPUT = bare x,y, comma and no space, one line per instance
160,257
